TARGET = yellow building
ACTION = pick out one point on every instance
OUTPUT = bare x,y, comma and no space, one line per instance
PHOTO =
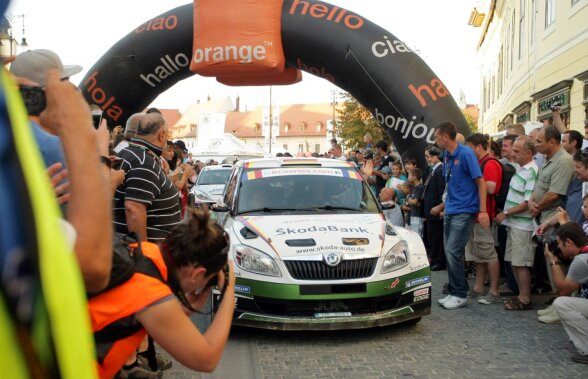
532,53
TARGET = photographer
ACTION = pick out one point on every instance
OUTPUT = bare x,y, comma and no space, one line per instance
572,311
194,255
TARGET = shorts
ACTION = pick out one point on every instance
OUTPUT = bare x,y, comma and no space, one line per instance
480,247
520,248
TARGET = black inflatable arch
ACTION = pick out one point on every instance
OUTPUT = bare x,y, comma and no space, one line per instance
376,68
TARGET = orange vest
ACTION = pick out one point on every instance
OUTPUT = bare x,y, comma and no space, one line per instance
119,305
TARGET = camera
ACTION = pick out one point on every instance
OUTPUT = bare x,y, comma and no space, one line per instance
555,106
34,99
551,241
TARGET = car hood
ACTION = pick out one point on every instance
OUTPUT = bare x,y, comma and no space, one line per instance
211,189
303,235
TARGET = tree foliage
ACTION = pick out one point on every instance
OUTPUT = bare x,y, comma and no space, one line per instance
471,123
354,121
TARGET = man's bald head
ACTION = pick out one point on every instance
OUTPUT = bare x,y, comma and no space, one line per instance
132,125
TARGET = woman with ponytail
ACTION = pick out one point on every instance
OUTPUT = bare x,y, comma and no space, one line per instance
188,264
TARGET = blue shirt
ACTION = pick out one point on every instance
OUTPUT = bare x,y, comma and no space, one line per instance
461,169
50,145
574,201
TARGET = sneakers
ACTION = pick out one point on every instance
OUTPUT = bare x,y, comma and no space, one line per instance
579,358
163,363
444,300
139,372
474,294
455,302
490,298
550,318
546,311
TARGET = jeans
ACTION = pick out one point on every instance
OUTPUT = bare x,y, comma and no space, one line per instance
456,233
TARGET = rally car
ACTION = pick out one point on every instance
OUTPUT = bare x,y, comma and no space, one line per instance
312,249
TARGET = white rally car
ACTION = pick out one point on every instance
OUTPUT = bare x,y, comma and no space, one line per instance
312,249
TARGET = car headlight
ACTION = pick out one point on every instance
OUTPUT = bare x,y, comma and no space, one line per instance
396,258
202,196
253,260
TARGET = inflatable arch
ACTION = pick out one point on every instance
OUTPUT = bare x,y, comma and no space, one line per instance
375,67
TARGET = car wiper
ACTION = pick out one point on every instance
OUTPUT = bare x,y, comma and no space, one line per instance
329,208
268,210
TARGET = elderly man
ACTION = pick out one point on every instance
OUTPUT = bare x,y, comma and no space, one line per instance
147,190
130,131
520,250
552,184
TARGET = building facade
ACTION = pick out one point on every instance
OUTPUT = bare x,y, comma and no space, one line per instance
533,53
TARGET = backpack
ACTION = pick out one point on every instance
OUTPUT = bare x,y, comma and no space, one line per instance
508,172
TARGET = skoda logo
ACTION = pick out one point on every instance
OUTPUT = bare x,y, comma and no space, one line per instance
332,259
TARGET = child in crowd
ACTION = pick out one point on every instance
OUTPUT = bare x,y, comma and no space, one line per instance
414,201
406,188
397,178
391,209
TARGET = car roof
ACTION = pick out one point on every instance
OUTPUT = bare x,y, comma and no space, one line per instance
218,167
298,162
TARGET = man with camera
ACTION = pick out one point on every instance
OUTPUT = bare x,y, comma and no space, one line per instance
32,66
572,311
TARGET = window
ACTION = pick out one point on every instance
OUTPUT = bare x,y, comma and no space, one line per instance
549,12
319,126
521,28
317,148
512,37
533,19
301,148
286,127
302,126
285,146
500,72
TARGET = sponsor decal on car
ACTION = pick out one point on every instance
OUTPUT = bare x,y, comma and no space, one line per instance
392,285
422,291
420,298
417,281
242,289
271,172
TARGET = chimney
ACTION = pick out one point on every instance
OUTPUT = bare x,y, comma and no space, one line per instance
237,101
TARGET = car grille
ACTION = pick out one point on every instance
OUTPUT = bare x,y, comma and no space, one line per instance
318,270
306,308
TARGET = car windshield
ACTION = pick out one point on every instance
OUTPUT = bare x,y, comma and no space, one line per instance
208,177
304,189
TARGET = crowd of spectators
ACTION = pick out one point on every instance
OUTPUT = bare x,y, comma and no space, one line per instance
116,187
512,210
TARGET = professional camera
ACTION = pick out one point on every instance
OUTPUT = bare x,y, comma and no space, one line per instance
555,106
551,240
34,99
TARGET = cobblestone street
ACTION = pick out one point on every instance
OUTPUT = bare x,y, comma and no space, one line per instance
478,341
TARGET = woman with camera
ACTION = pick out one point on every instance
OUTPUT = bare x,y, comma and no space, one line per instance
191,260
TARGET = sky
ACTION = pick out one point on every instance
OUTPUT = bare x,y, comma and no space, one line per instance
81,31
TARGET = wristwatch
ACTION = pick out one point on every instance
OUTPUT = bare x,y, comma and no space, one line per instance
553,264
505,212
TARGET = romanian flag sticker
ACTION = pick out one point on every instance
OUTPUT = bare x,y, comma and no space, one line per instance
252,175
351,174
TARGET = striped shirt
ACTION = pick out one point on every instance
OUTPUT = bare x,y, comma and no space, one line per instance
520,190
145,182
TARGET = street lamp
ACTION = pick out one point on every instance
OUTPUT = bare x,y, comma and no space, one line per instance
8,43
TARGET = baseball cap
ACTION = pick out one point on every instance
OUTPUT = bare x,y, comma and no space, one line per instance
181,145
34,64
386,170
